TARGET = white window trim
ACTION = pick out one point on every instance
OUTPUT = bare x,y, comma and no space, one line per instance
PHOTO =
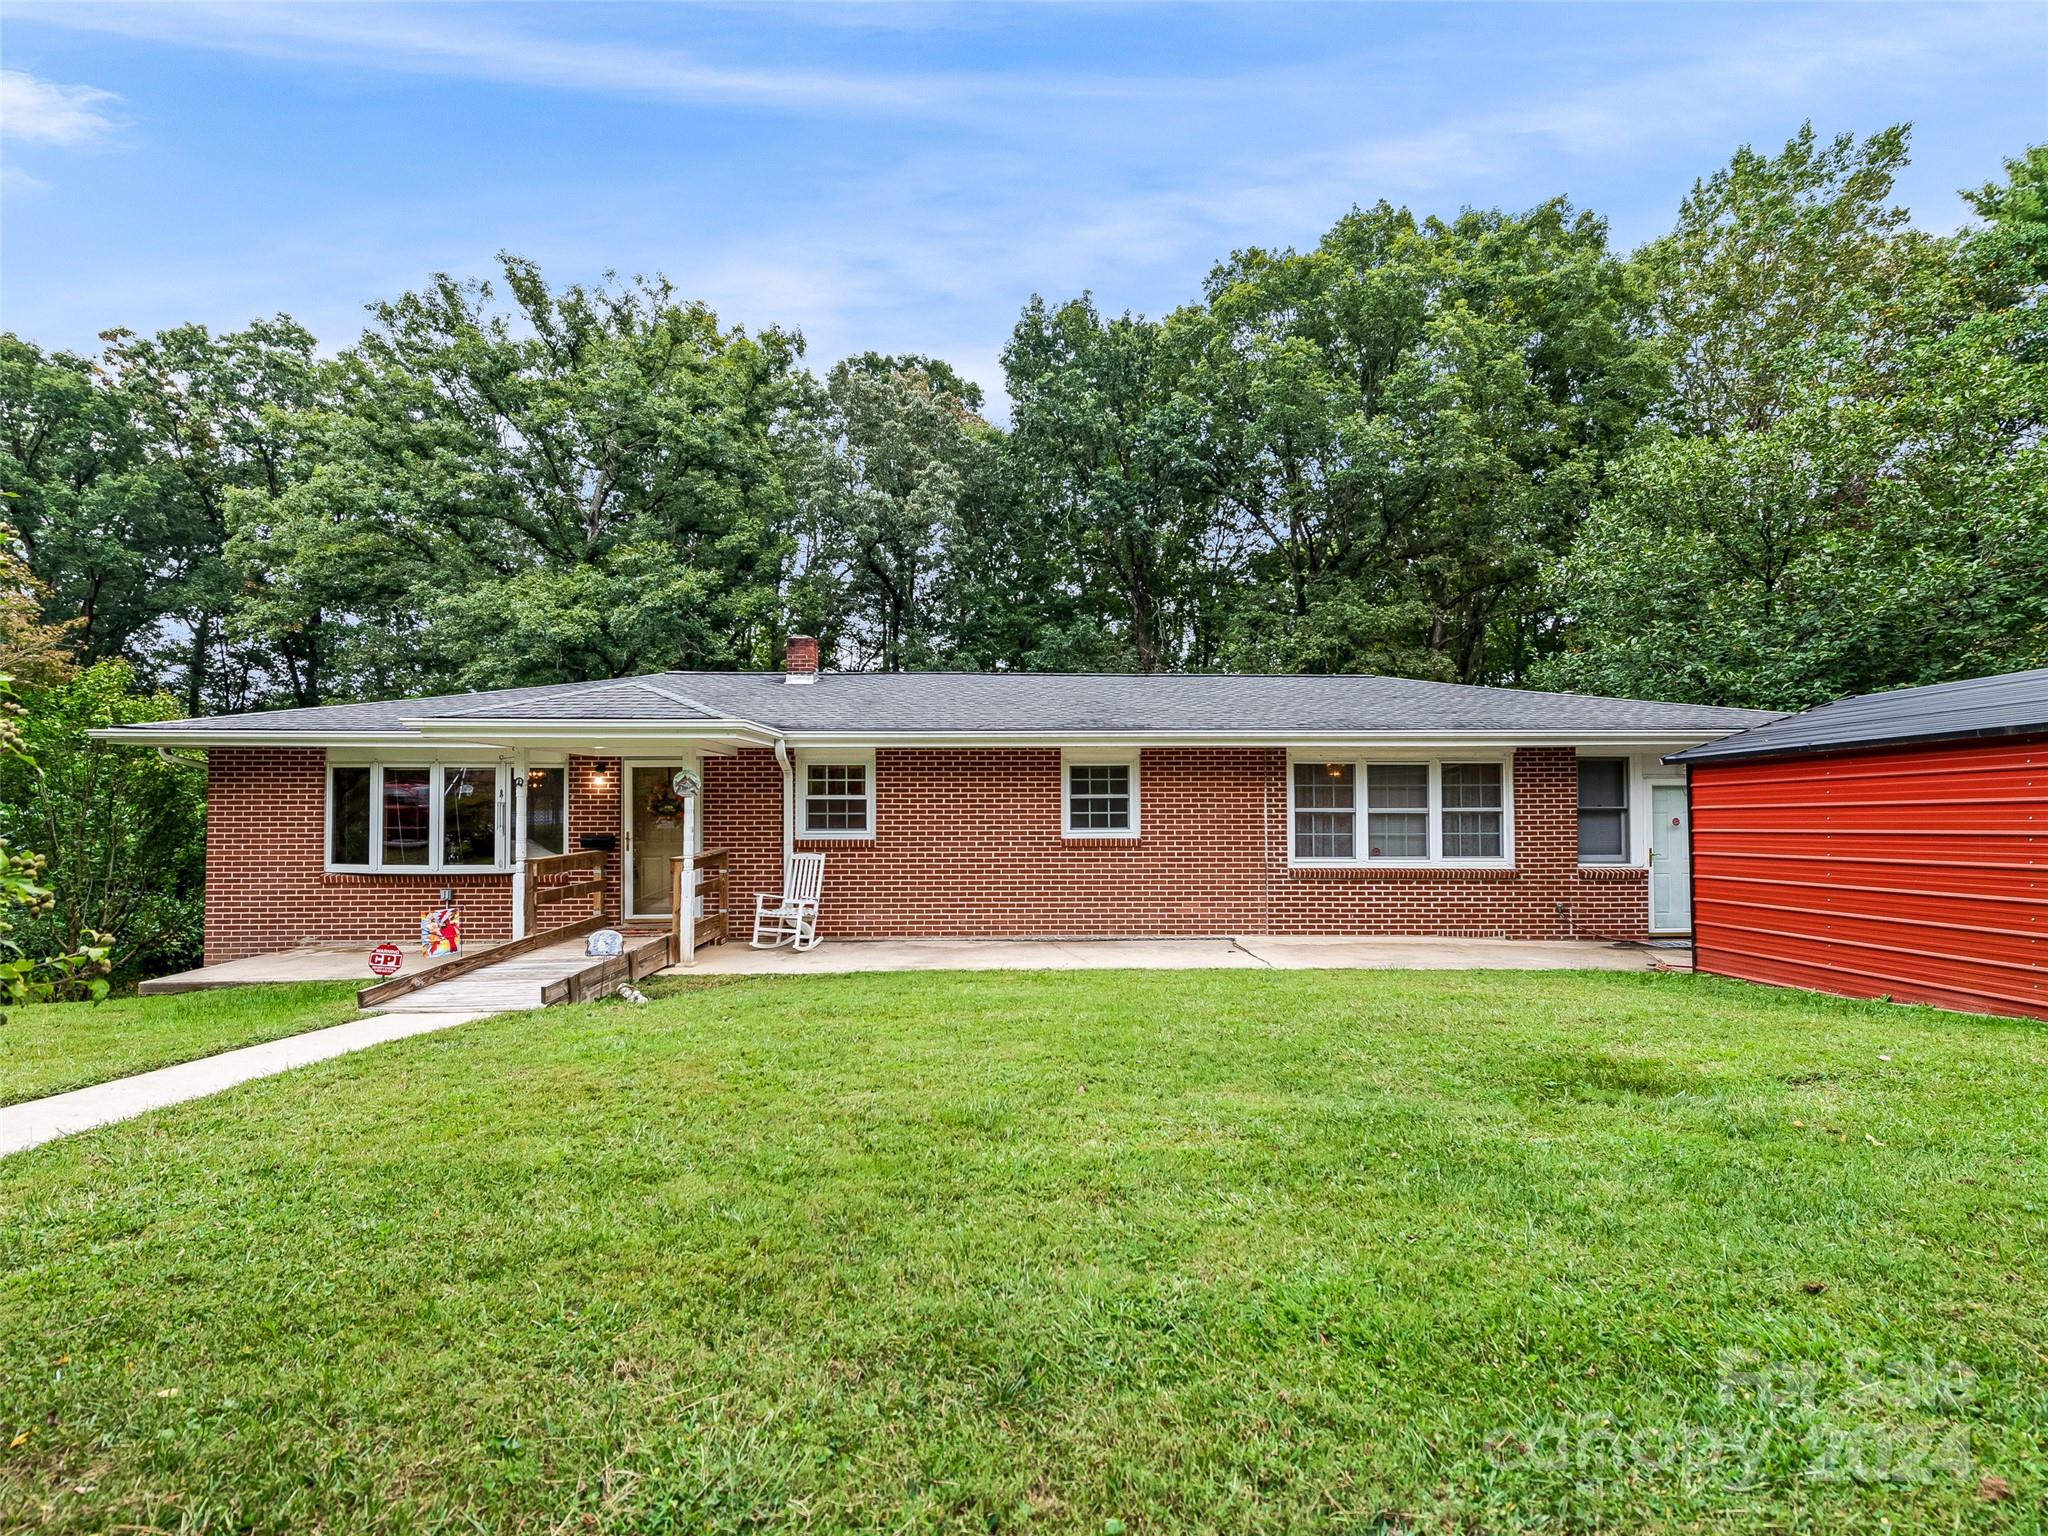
1360,761
805,762
517,831
436,763
1633,796
1125,757
1645,771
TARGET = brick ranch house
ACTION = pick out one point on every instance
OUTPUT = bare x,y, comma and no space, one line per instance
1003,805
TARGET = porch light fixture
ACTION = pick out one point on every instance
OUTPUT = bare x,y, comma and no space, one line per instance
598,777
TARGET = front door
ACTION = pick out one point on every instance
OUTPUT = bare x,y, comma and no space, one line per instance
655,824
1670,860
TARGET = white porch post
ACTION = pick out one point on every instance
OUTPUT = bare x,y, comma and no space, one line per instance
518,842
686,896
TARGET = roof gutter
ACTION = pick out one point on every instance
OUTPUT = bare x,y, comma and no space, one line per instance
490,735
1299,738
788,803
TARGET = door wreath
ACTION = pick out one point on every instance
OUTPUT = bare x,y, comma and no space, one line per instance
664,804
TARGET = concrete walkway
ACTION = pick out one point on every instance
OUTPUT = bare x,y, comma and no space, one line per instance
63,1114
839,956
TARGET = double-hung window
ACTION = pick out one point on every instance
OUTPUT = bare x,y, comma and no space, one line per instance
417,818
1603,810
839,798
1403,811
1474,808
1101,796
1325,810
1397,810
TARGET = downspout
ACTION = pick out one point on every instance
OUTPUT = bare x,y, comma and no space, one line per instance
176,759
788,806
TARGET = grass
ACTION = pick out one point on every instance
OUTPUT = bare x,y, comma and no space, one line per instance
53,1047
1088,1252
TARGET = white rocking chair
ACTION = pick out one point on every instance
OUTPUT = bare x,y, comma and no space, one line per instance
791,917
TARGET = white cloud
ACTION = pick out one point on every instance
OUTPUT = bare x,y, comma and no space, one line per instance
14,179
44,112
413,40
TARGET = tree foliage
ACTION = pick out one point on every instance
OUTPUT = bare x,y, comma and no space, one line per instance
1847,489
1791,449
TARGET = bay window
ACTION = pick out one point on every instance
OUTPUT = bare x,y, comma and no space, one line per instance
1415,811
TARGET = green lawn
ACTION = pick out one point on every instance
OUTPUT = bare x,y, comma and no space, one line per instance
56,1046
1089,1252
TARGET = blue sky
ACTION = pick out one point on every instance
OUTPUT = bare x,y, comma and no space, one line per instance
896,178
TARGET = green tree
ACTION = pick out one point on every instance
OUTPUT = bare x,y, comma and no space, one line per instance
589,483
904,449
1404,424
29,974
1849,493
218,417
122,830
1108,450
88,508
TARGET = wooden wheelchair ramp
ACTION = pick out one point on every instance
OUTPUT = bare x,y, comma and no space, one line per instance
528,973
552,967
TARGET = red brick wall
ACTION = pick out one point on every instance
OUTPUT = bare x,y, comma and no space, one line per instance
968,844
593,807
266,888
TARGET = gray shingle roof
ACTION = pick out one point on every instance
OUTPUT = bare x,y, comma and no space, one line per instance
2013,703
906,703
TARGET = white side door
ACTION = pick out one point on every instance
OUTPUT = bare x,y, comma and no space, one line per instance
1670,860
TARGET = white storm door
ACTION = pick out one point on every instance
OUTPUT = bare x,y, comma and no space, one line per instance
654,826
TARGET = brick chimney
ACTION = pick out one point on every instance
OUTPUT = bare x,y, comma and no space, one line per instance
800,659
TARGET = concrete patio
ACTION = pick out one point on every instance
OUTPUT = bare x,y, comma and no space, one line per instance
737,959
350,962
305,962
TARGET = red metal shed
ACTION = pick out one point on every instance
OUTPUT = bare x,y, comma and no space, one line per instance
1889,845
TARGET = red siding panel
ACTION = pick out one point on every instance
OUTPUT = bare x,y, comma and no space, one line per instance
1919,874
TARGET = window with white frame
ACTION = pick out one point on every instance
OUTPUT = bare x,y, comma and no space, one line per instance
1397,810
1474,808
1101,795
421,817
839,798
547,812
1603,810
1325,810
1413,811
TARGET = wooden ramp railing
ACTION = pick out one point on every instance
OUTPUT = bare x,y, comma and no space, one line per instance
545,882
475,960
707,875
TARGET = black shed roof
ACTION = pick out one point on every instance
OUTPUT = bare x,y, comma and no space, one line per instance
2011,704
